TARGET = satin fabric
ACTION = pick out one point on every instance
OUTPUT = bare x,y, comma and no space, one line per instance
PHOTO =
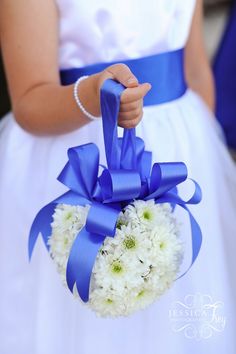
165,72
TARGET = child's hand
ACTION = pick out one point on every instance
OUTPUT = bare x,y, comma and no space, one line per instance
131,107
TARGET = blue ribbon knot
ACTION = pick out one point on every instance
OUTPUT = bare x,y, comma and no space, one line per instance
129,175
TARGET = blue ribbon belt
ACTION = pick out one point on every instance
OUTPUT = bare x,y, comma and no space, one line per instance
129,175
165,72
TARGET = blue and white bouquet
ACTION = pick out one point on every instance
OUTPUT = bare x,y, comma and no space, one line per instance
113,236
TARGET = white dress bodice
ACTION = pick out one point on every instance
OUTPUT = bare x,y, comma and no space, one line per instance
103,30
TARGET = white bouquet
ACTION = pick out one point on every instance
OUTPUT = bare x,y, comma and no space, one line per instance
132,269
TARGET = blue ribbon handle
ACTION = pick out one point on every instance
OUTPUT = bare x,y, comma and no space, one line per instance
120,153
110,102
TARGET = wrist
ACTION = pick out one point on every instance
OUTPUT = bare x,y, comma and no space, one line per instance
88,94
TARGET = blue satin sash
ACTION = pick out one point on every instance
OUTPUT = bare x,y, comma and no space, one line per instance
165,72
129,175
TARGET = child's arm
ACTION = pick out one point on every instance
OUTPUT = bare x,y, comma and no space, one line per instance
198,71
29,42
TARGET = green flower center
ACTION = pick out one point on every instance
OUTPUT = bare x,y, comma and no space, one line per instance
129,242
141,293
65,241
162,245
68,216
109,301
119,224
147,215
117,268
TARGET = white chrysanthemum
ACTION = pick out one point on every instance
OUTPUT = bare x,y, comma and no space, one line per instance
68,220
146,214
132,269
167,247
107,303
141,297
112,272
68,217
130,240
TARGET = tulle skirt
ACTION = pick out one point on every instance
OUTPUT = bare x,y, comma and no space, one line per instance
198,314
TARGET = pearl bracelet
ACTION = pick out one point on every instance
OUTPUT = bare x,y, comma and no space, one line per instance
77,100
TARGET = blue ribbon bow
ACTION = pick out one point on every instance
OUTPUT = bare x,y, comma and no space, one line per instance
129,175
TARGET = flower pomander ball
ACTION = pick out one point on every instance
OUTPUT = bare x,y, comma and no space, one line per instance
133,268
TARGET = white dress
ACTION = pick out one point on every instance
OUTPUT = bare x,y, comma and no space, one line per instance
198,314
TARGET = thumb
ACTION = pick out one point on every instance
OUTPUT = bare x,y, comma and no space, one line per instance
121,73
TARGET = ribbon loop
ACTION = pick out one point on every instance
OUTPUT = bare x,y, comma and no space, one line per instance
81,171
165,176
120,185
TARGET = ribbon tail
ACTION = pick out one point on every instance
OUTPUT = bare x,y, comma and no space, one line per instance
196,239
81,261
41,224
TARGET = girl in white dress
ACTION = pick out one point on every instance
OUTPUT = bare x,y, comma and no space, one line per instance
37,314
